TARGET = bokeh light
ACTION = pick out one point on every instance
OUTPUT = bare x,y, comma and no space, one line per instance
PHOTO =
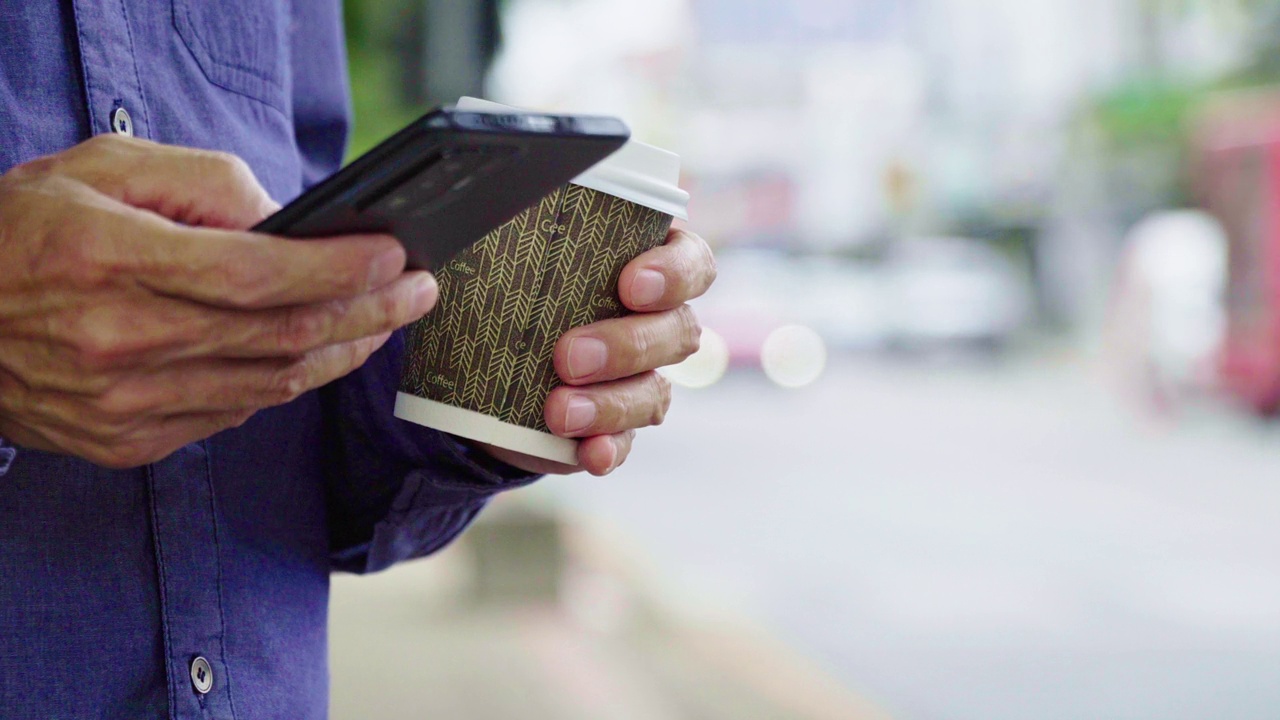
794,356
705,367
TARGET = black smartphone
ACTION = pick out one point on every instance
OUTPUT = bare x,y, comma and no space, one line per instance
450,178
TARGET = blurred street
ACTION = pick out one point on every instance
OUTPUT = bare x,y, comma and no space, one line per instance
966,541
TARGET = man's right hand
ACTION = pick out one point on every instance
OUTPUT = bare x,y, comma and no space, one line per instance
137,315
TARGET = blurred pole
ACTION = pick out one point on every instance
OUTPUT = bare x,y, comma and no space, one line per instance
1150,37
446,47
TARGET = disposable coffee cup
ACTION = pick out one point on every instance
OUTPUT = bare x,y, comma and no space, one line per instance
480,365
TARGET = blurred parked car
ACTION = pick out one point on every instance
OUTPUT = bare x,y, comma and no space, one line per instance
843,300
781,313
751,321
952,291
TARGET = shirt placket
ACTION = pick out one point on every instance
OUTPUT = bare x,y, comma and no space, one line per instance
183,507
187,548
113,84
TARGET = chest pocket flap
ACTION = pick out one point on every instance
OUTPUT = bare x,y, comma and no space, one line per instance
239,44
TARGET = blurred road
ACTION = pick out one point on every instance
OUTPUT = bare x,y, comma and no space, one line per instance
967,542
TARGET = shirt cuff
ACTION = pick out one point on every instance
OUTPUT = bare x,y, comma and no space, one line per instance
487,473
434,505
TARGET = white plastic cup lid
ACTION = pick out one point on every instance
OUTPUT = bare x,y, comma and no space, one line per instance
644,174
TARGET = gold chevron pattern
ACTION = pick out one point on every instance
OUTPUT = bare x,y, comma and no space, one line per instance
507,300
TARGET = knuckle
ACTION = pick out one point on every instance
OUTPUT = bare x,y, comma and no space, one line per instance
111,458
230,167
77,255
118,406
302,329
641,337
38,167
361,350
232,420
689,331
709,263
99,348
111,431
107,140
345,281
100,158
288,383
661,388
688,268
695,265
393,310
236,172
106,143
246,277
125,452
626,442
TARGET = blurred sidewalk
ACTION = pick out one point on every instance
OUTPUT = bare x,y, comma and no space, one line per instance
531,617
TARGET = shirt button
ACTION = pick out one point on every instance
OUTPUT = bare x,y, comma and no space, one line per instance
201,675
121,122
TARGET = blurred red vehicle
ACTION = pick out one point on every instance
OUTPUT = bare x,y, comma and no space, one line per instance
1237,178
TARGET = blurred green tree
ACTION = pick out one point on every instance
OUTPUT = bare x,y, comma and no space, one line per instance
407,55
379,106
1142,124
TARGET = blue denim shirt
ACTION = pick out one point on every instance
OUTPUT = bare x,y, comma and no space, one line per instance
112,583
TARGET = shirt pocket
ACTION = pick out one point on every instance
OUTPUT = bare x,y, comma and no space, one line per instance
238,44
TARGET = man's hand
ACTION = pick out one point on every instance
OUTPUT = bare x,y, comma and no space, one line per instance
612,387
137,316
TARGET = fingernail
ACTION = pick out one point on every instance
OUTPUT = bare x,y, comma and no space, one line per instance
578,415
388,266
647,287
587,357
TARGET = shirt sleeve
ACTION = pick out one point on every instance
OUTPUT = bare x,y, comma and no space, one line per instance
397,490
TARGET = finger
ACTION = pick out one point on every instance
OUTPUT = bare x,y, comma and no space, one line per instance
187,185
219,386
668,276
603,454
135,447
153,443
303,328
622,347
246,270
194,388
28,438
117,431
93,345
609,408
101,241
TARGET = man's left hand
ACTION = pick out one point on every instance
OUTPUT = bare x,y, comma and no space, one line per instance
609,368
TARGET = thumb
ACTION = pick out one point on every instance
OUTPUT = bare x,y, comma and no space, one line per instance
201,188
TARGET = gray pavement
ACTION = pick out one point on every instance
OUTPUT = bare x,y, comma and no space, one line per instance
478,633
959,541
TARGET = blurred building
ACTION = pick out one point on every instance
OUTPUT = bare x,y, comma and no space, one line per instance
834,126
